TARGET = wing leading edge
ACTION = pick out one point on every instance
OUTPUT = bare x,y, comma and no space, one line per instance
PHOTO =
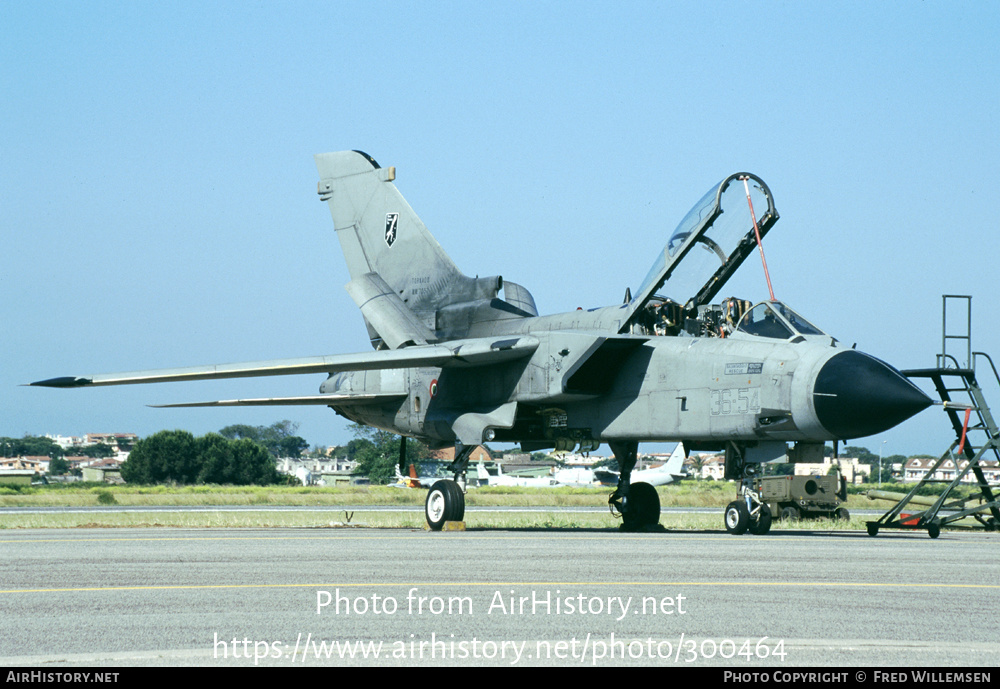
319,400
458,353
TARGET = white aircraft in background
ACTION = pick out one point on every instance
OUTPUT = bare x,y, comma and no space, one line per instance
670,471
414,481
501,479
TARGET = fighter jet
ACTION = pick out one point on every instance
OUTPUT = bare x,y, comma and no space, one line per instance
456,363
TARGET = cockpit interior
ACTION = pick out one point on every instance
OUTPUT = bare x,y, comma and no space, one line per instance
721,231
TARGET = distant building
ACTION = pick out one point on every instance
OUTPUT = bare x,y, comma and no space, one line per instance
317,471
33,464
916,468
702,466
577,460
78,462
113,440
105,469
66,441
851,469
714,467
16,477
479,454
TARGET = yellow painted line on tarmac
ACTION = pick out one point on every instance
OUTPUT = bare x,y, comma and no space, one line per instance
501,584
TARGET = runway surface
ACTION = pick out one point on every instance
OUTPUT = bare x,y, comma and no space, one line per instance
360,509
119,597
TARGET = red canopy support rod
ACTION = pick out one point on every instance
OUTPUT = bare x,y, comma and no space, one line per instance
760,245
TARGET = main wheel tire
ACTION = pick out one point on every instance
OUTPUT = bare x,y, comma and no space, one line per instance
445,503
642,507
737,517
458,496
762,524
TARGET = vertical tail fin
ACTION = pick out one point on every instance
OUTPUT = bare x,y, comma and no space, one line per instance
675,464
417,293
380,233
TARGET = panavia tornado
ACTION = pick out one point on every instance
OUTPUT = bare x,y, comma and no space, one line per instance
462,360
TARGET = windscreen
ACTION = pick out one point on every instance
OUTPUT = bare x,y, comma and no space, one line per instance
775,320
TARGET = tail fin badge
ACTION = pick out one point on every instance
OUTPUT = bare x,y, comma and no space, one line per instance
391,220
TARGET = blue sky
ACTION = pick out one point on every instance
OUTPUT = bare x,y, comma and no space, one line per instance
157,189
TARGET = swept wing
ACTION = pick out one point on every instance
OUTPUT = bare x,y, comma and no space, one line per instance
305,400
458,353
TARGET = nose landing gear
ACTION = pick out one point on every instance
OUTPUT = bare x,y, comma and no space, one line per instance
748,512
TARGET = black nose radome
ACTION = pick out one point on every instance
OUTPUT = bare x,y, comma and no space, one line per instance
857,395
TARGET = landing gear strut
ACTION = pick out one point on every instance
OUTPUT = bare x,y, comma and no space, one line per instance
638,504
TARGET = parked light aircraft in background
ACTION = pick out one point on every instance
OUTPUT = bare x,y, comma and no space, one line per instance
484,477
413,480
456,363
670,471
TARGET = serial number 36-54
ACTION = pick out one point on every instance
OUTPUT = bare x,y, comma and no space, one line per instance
735,401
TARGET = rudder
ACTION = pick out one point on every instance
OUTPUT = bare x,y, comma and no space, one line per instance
377,229
379,233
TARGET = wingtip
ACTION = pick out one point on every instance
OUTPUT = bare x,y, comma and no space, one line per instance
62,382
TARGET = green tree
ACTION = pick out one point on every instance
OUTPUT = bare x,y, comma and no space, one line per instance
377,453
887,463
216,459
164,456
58,466
862,453
697,462
253,465
240,462
355,446
30,446
292,446
279,438
241,430
96,450
179,457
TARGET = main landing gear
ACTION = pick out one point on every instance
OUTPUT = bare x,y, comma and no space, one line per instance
446,499
445,503
637,503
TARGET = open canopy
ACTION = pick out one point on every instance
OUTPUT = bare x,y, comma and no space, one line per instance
709,244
